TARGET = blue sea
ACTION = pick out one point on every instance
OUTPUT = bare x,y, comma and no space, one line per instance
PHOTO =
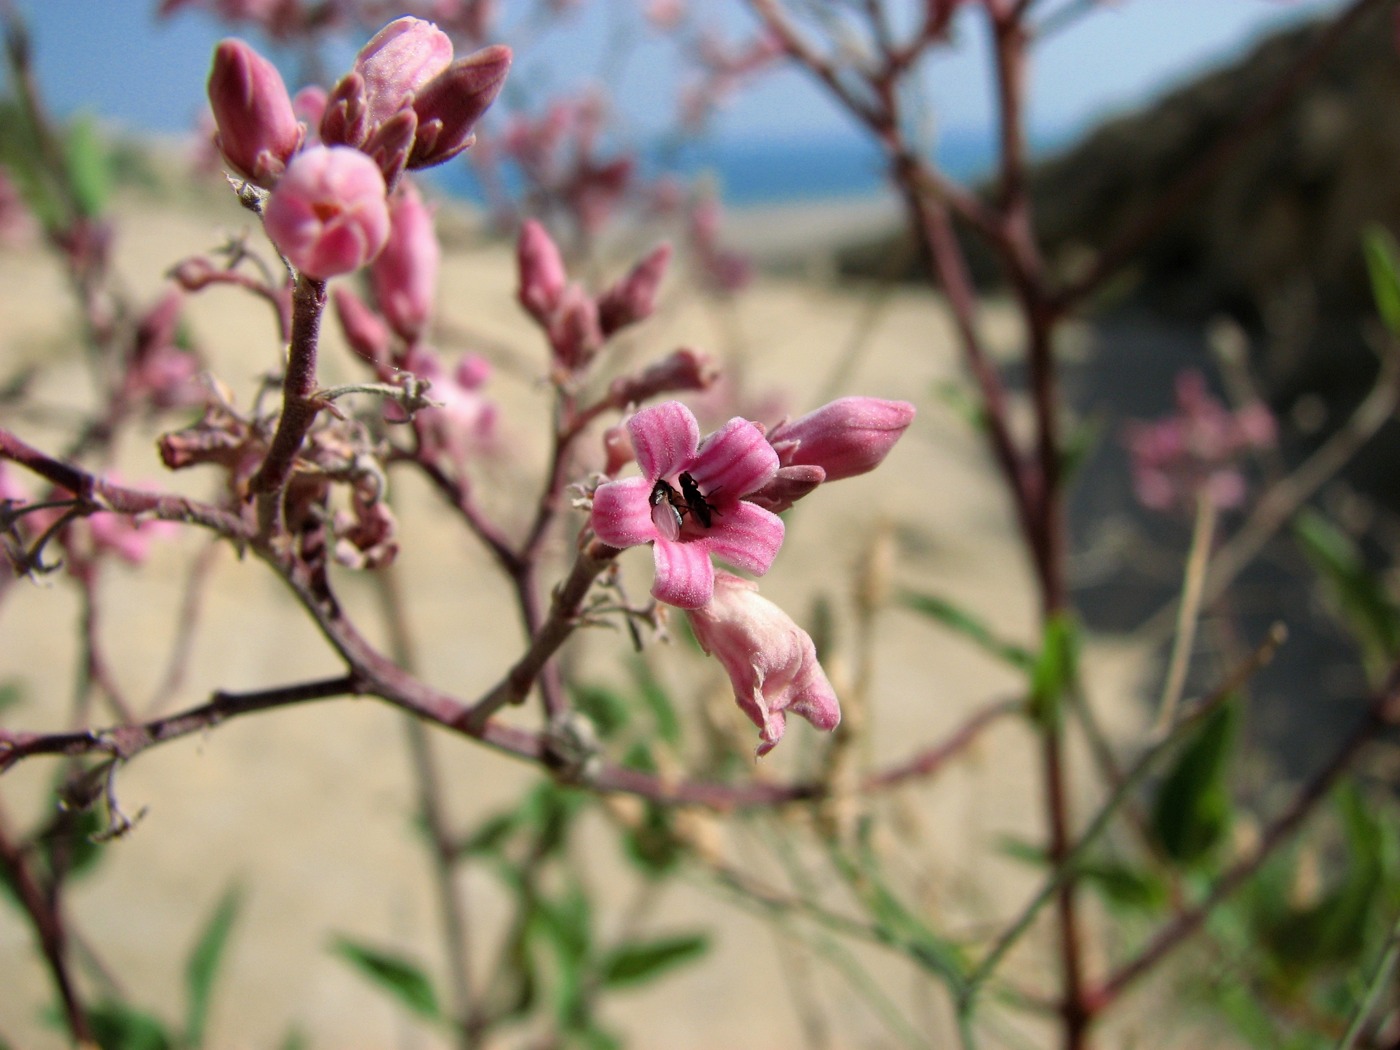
753,172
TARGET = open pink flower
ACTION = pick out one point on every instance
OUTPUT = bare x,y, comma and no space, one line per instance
328,214
689,501
771,662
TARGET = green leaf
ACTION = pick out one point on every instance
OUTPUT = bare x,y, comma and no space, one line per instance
1055,670
117,1026
606,708
960,621
1192,809
403,979
490,836
652,844
203,964
1381,264
295,1039
658,701
1132,889
11,694
1364,605
86,159
69,844
642,961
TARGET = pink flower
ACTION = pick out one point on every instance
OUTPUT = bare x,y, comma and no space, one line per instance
1197,450
404,275
258,129
466,421
542,274
846,437
689,501
771,662
328,214
399,60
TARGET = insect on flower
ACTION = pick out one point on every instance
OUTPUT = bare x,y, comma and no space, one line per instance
700,508
666,509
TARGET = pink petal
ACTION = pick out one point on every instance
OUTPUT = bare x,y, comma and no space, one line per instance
622,513
746,536
665,437
734,461
684,576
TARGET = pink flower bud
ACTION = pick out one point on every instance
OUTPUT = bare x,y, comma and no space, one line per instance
309,104
633,298
390,144
685,369
846,437
542,275
364,329
258,129
404,276
328,214
449,105
771,662
575,335
398,61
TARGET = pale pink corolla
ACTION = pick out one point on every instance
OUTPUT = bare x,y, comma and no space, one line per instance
728,465
328,214
771,662
404,275
398,61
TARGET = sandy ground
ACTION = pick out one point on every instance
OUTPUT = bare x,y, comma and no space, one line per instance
308,810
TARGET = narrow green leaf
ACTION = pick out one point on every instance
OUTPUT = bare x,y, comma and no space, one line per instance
1055,670
606,708
960,621
203,964
403,980
1381,264
658,701
86,158
117,1026
1129,888
1362,602
642,961
490,836
1192,809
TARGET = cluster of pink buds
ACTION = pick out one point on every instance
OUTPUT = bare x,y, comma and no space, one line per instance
717,497
406,104
576,323
1196,451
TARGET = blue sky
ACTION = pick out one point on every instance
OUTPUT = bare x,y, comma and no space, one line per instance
111,58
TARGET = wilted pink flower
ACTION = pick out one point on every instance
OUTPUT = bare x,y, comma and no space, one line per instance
398,61
258,130
1197,450
328,214
845,437
404,275
771,662
689,501
633,298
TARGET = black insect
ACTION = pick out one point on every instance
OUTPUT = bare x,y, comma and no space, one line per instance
666,509
700,508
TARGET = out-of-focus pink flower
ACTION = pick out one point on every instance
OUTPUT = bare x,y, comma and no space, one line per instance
1197,450
160,371
309,104
724,270
465,424
405,274
633,298
542,274
328,214
397,61
450,104
258,130
771,662
130,539
364,329
17,224
689,502
846,437
665,15
574,333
